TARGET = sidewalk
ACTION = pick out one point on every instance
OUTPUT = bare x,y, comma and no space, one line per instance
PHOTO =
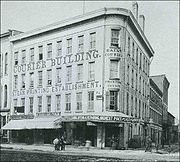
96,152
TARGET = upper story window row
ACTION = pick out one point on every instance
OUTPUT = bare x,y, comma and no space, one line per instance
54,49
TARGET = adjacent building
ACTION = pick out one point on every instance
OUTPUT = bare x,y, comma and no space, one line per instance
86,77
5,78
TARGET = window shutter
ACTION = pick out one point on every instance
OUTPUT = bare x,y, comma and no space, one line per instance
107,100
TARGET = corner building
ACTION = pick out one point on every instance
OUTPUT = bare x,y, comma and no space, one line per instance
86,77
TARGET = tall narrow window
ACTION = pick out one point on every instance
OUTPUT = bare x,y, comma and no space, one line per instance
49,50
6,64
69,46
91,72
80,72
132,79
40,78
69,73
68,102
136,56
79,101
140,63
133,51
49,77
58,102
132,106
5,96
139,108
91,100
31,104
113,100
127,74
92,40
114,69
15,58
136,107
48,103
140,84
127,101
40,52
136,81
81,43
32,54
39,103
59,48
22,104
15,105
23,80
31,79
15,81
23,56
115,38
129,46
58,75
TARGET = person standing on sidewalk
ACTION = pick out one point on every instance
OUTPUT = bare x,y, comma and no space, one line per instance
56,142
63,143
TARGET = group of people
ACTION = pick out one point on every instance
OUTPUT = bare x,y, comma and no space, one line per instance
59,143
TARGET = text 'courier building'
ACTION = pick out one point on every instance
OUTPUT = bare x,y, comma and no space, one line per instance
86,77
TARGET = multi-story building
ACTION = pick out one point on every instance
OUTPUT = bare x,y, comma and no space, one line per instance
5,77
155,112
162,82
86,77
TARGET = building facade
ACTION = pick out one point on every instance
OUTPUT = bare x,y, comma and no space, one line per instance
86,77
155,112
5,79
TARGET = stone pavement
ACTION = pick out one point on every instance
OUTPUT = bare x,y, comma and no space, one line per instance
95,152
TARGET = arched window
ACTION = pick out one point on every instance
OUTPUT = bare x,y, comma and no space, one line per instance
5,96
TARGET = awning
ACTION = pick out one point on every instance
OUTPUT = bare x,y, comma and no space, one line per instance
37,123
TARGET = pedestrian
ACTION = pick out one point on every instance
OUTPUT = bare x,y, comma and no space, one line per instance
63,143
56,142
148,144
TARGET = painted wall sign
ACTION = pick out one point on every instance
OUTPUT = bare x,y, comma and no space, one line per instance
31,66
113,83
113,52
57,88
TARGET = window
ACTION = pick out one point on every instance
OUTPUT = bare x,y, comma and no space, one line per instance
30,104
127,107
59,48
49,50
31,54
15,104
91,71
39,103
139,108
40,77
68,102
91,100
40,52
31,79
128,74
136,107
58,75
23,80
80,72
129,46
49,77
136,81
144,61
114,69
5,96
79,101
115,38
132,106
48,103
15,81
136,56
132,79
69,46
113,100
23,56
23,102
16,58
6,64
92,40
58,102
133,51
81,43
69,73
140,64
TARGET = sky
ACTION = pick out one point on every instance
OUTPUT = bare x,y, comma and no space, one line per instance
161,29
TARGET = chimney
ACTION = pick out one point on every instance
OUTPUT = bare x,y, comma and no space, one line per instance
135,9
142,22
